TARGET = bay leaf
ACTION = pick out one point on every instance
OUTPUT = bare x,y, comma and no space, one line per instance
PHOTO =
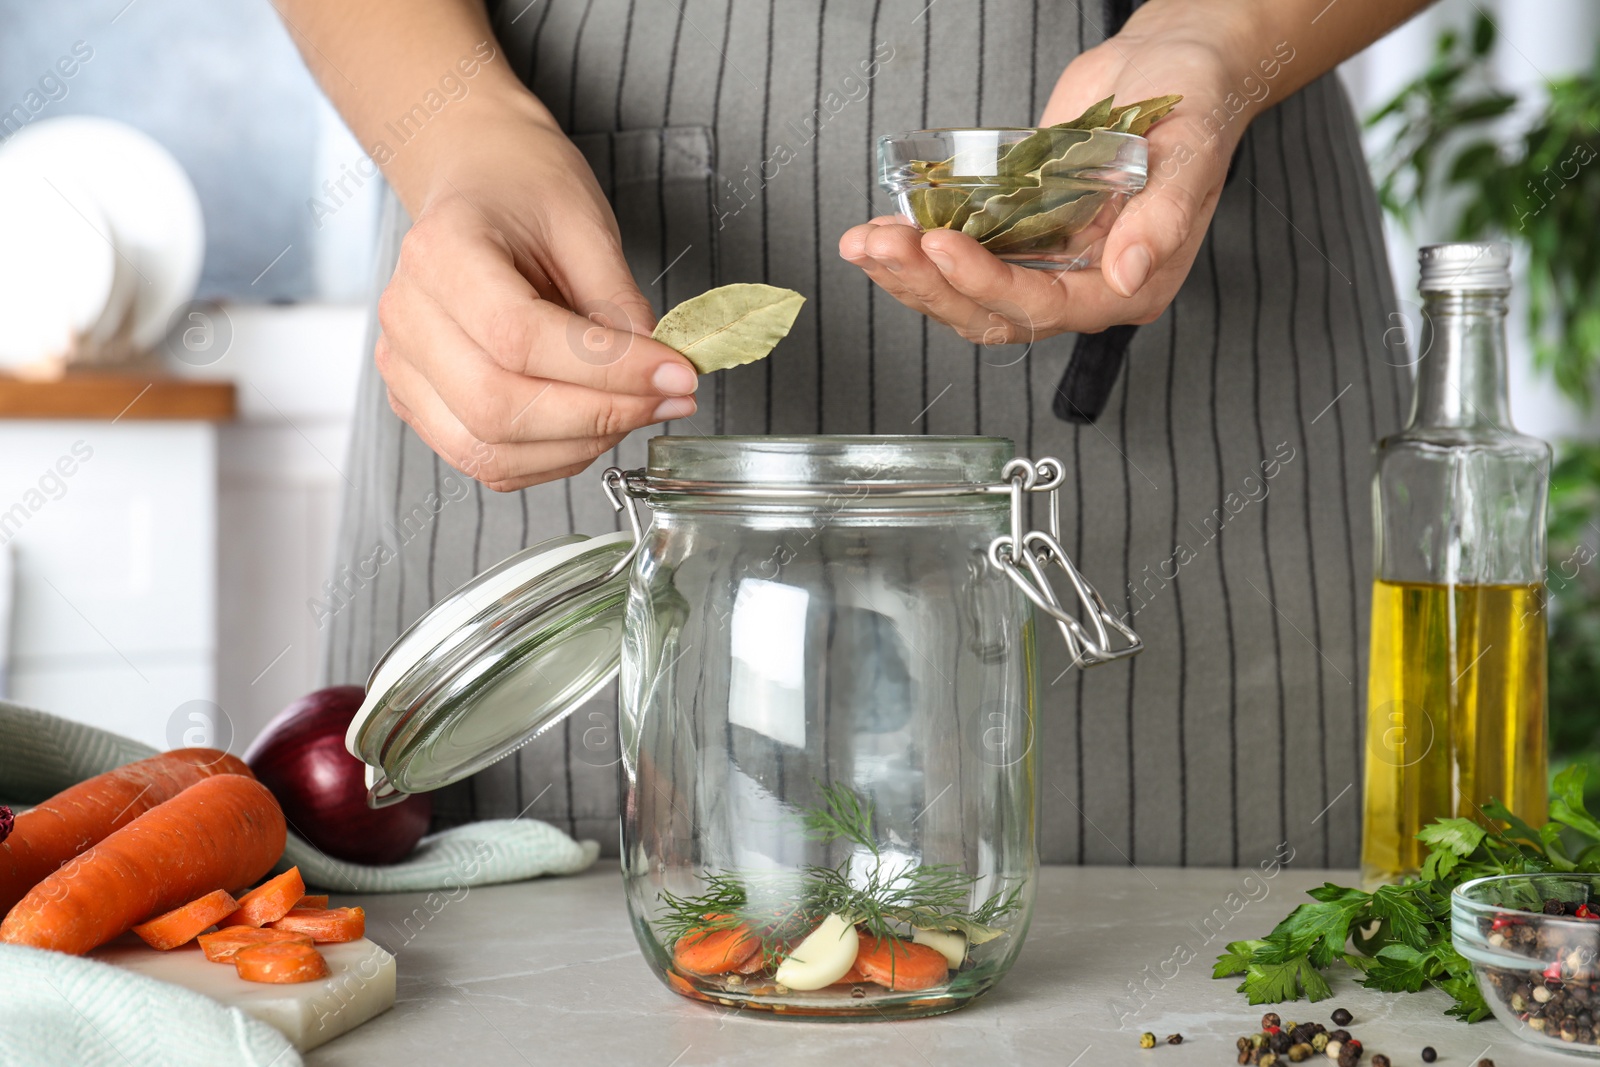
731,325
1097,115
937,207
1151,111
1025,155
1097,150
928,919
1123,122
998,211
1045,229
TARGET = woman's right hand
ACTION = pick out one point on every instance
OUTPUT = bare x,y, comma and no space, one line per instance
514,340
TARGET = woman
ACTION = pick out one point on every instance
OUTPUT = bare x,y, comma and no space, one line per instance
573,167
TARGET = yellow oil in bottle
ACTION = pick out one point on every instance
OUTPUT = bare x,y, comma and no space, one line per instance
1455,713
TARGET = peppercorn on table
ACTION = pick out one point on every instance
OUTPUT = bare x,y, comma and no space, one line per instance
547,971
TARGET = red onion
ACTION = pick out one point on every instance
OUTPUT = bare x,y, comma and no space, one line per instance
8,822
301,757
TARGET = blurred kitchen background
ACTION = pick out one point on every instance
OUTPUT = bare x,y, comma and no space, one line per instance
161,588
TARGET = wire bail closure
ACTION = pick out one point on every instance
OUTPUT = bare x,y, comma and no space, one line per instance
1023,555
1036,550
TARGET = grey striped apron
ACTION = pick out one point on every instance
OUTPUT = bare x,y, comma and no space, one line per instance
1222,495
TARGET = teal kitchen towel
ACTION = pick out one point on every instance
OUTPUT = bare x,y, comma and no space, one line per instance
41,754
479,853
65,1011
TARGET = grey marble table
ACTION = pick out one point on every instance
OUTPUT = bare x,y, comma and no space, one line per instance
547,972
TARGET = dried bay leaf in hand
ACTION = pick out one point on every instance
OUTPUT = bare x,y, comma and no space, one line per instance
729,326
1096,117
1097,150
939,207
1124,122
998,211
1029,153
1046,229
1024,157
1150,112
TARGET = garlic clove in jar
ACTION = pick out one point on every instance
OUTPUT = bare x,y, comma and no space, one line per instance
823,958
951,944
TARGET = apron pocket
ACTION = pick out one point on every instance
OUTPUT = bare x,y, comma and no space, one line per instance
661,184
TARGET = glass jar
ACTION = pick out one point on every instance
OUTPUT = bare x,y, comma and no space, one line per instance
827,708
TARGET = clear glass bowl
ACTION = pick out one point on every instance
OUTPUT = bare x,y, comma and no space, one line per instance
1538,972
1041,198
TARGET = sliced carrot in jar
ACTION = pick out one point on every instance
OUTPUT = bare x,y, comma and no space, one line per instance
325,924
901,965
683,987
853,976
703,951
270,900
280,963
181,925
221,945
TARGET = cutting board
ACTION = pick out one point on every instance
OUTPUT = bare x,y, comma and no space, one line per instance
360,986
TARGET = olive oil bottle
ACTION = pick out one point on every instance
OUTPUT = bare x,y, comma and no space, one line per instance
1456,677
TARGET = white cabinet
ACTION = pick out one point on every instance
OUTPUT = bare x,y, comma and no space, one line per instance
112,527
175,564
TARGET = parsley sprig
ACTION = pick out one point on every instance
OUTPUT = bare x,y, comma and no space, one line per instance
1401,933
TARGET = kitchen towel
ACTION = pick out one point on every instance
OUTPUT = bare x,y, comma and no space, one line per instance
65,1011
42,754
478,853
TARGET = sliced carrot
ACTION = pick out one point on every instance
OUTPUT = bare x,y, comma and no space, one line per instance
702,951
325,924
221,831
853,976
221,945
180,925
268,901
901,965
280,962
69,823
313,900
683,986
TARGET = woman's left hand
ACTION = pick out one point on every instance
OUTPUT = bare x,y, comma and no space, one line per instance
948,276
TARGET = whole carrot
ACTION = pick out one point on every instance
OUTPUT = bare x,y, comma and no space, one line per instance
220,832
51,834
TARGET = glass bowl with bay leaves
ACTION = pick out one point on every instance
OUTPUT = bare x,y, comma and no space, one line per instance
1042,198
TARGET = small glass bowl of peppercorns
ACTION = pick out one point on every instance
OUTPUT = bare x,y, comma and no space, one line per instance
1534,944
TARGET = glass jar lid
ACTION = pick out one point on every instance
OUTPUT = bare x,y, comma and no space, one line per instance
494,664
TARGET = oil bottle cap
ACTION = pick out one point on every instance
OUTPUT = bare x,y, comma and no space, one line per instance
1465,266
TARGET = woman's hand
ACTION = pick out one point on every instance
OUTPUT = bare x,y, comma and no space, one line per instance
514,340
948,276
